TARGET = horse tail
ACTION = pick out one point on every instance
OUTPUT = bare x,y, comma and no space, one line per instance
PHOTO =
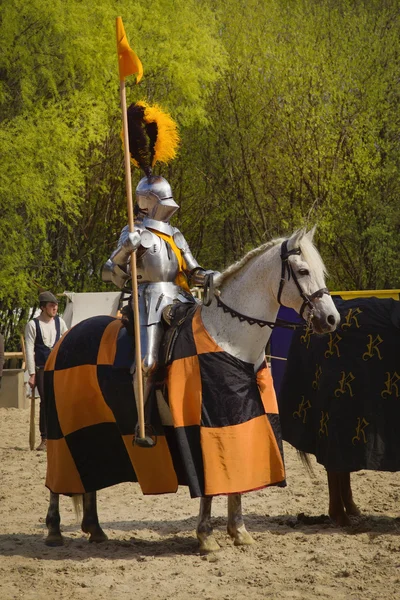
305,459
77,501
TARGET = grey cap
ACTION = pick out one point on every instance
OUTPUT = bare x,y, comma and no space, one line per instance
47,297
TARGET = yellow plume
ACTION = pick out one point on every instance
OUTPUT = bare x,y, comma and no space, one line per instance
153,135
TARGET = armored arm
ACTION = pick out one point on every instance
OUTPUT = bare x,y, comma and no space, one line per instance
116,268
195,273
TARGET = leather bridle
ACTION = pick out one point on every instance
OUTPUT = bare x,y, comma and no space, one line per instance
288,268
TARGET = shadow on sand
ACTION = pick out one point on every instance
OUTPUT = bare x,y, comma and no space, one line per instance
178,536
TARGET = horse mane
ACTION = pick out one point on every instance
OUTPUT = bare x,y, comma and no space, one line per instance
308,251
233,269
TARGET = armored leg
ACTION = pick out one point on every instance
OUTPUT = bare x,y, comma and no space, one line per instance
150,338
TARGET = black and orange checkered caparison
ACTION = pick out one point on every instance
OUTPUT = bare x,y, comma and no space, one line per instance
225,436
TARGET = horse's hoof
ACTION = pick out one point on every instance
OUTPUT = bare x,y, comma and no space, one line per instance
341,520
98,537
241,538
53,540
208,545
353,511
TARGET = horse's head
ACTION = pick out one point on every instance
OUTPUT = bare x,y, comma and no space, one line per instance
302,285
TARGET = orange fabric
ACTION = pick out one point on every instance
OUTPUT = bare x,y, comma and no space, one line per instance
67,479
153,466
128,61
241,457
202,339
80,403
108,344
184,391
267,391
180,279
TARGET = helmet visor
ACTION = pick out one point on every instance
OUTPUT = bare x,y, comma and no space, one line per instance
164,210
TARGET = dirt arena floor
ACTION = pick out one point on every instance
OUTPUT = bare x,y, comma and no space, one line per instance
152,551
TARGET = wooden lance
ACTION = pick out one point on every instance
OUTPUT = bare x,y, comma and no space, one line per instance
140,440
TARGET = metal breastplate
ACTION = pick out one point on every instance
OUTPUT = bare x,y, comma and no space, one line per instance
156,260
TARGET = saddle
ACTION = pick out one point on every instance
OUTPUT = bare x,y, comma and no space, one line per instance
174,316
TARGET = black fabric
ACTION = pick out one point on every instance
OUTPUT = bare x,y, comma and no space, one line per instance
184,345
340,396
188,442
52,423
125,354
228,402
173,321
276,428
117,390
177,460
105,458
39,380
81,345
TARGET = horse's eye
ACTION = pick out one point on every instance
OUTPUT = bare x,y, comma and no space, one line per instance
304,272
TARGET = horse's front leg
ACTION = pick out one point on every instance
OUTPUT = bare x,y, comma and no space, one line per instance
54,537
204,530
236,527
90,521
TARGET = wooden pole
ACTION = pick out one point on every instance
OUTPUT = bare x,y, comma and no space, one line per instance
135,298
32,421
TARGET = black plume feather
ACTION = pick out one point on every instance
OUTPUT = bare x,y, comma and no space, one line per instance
141,138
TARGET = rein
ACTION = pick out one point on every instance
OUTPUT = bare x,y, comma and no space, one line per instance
307,298
253,321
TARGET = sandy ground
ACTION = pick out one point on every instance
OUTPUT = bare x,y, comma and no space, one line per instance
152,551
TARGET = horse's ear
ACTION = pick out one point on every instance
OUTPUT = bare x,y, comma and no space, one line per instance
310,234
295,238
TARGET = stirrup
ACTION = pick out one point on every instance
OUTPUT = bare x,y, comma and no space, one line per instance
148,441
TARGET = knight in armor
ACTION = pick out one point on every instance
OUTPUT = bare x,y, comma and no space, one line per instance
166,268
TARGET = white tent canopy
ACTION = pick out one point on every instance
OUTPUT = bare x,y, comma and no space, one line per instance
81,306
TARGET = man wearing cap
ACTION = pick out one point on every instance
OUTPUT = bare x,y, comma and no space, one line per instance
41,334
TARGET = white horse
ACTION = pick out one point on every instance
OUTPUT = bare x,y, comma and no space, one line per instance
240,317
251,287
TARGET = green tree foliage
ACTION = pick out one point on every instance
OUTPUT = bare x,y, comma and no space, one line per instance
62,195
304,129
288,113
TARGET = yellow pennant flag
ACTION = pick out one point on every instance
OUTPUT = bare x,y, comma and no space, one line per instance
128,61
